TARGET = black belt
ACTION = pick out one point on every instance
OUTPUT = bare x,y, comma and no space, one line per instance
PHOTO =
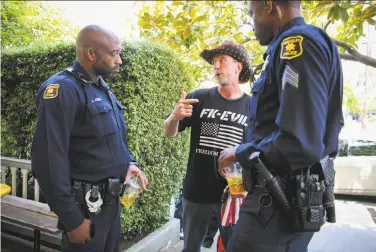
261,182
109,189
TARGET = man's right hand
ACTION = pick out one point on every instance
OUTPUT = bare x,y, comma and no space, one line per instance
81,234
183,108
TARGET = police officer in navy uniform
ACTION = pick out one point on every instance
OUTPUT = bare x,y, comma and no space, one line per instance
80,154
296,117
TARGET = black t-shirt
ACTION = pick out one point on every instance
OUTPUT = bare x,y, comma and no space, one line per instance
217,123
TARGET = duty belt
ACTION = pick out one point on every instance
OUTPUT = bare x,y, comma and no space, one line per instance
109,190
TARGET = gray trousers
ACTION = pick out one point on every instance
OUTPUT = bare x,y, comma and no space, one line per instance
196,220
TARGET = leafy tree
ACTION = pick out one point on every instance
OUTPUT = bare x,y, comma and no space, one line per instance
350,17
350,102
190,26
27,22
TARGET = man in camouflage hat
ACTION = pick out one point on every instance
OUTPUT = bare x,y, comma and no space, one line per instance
218,118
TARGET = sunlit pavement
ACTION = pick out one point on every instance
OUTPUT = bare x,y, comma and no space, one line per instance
354,231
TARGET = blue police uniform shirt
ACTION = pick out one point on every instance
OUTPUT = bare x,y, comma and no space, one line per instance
296,105
81,135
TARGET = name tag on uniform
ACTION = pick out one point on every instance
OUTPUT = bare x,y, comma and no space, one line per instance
96,100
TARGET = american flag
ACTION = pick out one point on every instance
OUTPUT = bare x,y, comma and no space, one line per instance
229,215
230,210
220,136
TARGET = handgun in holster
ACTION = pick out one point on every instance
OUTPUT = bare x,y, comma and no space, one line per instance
249,176
306,195
77,190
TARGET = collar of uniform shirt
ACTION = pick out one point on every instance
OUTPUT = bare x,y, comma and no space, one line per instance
76,66
291,23
103,84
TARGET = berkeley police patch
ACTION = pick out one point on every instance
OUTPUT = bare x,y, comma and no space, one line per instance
291,47
51,91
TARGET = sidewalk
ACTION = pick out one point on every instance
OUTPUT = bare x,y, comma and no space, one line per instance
354,231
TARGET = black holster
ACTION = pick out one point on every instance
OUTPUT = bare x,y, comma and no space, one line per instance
309,196
307,202
113,190
78,192
313,197
327,166
248,175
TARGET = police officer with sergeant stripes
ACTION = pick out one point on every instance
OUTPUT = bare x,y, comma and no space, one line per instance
80,153
296,117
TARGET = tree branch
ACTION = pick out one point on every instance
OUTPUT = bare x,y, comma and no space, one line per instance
247,39
354,55
327,24
347,56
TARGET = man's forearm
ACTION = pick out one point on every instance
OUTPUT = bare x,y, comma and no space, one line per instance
171,126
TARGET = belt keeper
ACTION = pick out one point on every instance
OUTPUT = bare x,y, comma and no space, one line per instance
94,191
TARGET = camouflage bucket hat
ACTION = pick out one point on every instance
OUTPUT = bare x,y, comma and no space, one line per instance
236,51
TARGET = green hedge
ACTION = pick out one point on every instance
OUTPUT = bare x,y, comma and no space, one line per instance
149,85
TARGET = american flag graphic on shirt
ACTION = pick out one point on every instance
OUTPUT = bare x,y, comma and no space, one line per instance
219,135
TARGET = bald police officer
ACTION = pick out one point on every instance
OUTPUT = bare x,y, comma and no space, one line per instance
80,154
296,117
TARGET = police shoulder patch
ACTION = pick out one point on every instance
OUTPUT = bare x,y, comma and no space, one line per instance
51,91
291,47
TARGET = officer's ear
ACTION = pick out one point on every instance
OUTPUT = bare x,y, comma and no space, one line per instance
90,54
268,6
271,6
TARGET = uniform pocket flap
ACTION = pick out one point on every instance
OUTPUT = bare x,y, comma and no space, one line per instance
97,108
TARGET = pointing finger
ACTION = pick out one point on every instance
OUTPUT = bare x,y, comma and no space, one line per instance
183,95
189,101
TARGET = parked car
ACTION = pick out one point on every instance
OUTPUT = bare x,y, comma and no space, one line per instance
355,167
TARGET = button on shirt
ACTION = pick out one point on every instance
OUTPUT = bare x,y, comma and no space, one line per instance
296,105
80,134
